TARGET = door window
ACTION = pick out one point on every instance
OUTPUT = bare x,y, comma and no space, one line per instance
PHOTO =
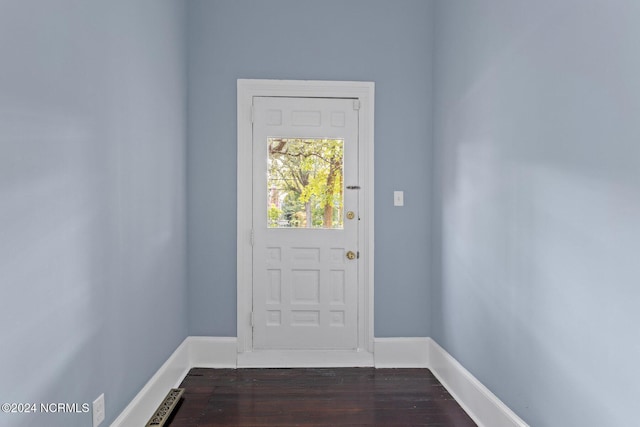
305,183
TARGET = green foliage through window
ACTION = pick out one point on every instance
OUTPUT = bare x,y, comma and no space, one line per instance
304,184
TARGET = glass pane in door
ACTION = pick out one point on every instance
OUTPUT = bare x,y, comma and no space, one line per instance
304,183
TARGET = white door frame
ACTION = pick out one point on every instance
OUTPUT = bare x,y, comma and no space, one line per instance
364,91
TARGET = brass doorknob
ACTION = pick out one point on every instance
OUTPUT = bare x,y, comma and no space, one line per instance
351,255
351,215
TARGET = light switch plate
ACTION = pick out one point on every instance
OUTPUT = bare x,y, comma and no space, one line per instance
398,198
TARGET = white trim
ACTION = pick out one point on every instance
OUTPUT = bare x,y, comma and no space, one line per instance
364,91
212,352
201,352
170,374
478,401
402,352
304,359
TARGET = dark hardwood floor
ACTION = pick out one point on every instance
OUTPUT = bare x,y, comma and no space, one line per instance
316,397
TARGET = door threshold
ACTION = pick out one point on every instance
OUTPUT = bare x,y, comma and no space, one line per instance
305,359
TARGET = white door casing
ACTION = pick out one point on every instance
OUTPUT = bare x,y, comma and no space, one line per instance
305,289
363,92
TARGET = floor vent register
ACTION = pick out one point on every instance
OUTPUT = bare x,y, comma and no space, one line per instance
162,414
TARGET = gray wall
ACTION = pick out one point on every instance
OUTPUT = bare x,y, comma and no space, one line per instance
381,41
92,200
538,165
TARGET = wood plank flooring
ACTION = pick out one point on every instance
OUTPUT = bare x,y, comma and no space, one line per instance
316,397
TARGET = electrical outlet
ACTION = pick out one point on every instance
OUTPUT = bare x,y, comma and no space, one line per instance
98,410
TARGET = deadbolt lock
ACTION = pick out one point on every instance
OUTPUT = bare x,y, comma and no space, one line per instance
351,255
351,215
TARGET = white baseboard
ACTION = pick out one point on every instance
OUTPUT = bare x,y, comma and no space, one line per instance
201,352
142,407
401,352
221,352
478,401
212,352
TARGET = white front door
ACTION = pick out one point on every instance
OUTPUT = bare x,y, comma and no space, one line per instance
305,223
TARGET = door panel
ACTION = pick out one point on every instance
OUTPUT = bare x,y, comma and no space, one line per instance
305,290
